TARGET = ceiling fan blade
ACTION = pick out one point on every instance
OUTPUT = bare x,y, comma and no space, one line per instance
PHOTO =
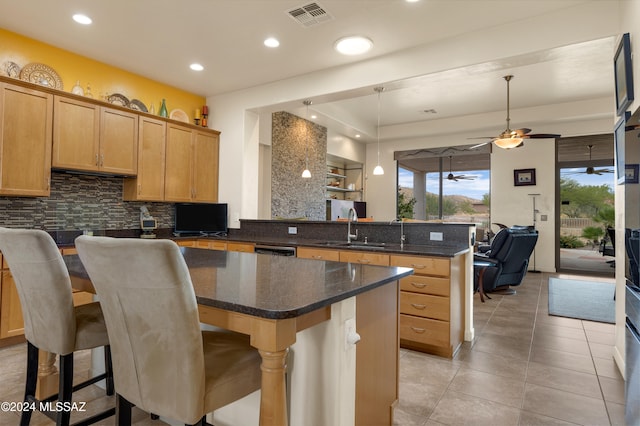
481,144
522,132
543,136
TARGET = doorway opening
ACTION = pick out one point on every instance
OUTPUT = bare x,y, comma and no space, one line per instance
586,235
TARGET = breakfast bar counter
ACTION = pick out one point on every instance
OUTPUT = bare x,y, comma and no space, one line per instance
275,299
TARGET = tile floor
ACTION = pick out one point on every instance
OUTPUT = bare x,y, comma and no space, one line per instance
524,368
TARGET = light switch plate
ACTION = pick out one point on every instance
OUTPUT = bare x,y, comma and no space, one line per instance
435,236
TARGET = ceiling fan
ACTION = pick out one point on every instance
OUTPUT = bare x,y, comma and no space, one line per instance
456,178
590,170
513,138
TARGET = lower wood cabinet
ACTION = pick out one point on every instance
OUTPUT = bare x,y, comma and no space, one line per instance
432,304
431,300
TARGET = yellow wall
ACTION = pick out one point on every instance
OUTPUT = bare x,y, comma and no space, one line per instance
104,79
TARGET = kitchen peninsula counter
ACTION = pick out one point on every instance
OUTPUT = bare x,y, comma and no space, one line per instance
310,307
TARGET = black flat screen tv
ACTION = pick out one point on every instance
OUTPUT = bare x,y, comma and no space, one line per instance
198,218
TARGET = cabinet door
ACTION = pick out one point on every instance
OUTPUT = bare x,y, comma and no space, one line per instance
177,181
26,120
76,132
243,247
366,258
149,183
118,142
318,254
11,322
205,167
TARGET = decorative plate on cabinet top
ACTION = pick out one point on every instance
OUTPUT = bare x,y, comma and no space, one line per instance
179,115
138,105
118,99
11,69
41,74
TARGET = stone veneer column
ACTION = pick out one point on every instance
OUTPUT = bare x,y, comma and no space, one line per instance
292,196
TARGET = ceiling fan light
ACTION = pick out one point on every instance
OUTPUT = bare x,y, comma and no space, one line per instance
378,170
508,143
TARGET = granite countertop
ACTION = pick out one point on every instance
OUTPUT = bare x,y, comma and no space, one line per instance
270,286
439,250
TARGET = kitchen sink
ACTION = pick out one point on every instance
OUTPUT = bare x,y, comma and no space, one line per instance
356,244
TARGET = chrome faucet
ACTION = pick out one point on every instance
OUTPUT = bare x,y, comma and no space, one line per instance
402,236
351,216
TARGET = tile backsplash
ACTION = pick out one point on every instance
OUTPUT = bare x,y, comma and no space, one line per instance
80,202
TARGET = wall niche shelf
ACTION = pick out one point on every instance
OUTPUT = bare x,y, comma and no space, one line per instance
344,179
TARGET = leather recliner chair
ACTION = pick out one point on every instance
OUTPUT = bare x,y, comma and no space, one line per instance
506,262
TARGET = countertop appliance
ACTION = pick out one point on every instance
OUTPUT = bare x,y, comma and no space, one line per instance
147,223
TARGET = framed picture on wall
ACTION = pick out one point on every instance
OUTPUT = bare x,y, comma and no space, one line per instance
623,71
631,173
524,177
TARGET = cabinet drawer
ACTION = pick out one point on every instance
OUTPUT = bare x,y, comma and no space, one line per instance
211,245
424,330
244,247
186,243
364,258
424,305
423,265
426,285
318,254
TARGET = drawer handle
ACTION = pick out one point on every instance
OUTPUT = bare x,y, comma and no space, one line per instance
417,266
418,306
418,330
316,257
418,285
364,261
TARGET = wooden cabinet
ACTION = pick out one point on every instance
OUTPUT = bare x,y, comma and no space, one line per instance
364,257
318,253
212,244
26,118
191,171
431,304
148,185
243,247
11,323
95,138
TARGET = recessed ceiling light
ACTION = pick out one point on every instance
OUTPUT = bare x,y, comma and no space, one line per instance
313,116
271,42
196,67
82,19
353,45
412,1
357,135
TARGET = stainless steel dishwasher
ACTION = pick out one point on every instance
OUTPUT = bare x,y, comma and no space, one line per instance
275,250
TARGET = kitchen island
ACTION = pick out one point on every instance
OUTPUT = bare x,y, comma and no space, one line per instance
308,306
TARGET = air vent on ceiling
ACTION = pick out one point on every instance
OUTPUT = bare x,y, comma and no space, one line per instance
310,14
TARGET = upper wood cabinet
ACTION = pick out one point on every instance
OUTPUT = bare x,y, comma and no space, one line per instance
191,170
148,185
25,141
90,137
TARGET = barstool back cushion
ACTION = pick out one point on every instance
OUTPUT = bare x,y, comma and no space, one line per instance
152,318
44,288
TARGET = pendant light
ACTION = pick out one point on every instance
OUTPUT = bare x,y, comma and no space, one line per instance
378,170
306,173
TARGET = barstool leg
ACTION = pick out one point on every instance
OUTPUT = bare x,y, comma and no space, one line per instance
123,411
108,368
65,389
31,381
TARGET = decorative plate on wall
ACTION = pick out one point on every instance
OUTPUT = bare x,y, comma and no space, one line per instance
11,69
179,115
118,99
138,105
41,74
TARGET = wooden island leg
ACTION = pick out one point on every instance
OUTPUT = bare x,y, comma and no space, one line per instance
47,375
273,404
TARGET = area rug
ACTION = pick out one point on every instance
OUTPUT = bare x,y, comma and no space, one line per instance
587,300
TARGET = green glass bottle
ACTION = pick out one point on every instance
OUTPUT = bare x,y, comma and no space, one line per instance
163,110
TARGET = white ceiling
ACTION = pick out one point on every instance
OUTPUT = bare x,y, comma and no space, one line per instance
160,38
